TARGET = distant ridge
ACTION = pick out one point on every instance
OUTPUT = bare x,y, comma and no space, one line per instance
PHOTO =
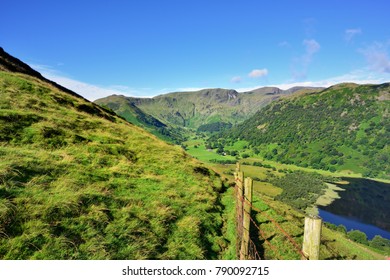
12,64
344,127
207,106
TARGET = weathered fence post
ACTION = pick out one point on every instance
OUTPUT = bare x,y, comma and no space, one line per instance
312,237
239,177
248,190
238,168
240,192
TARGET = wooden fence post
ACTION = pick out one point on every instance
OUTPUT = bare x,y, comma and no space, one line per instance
244,252
238,168
312,237
240,193
239,206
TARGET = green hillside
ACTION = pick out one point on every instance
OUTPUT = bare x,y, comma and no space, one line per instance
344,127
77,182
126,109
197,108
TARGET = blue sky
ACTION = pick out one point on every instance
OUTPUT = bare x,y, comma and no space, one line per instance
149,47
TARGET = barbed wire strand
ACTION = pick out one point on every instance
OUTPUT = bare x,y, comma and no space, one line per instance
256,255
297,247
266,240
245,200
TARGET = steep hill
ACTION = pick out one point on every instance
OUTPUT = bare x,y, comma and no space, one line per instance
208,106
126,109
344,127
9,63
77,182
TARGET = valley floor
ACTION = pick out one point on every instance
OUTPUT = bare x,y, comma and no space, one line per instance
271,243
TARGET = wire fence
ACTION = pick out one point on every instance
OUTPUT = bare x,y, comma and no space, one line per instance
259,240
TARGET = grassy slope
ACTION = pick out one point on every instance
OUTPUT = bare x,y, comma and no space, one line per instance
79,183
133,114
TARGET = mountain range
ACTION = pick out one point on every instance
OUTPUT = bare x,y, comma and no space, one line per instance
343,127
197,108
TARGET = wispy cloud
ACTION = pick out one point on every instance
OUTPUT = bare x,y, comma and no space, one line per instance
284,44
93,92
301,64
362,76
353,77
312,46
258,73
377,57
236,79
88,91
186,89
349,34
310,26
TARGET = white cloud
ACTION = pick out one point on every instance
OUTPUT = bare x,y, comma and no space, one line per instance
88,91
377,57
328,82
284,44
310,26
186,89
236,79
351,33
363,76
93,92
257,73
312,46
301,64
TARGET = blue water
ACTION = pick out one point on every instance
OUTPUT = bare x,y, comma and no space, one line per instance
352,224
364,205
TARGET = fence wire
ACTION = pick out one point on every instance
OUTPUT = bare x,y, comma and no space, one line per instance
253,250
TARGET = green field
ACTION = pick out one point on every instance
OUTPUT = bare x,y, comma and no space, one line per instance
200,152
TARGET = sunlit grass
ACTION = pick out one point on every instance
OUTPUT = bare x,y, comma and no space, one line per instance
78,183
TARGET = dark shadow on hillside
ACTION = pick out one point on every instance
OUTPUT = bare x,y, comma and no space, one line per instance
256,249
365,200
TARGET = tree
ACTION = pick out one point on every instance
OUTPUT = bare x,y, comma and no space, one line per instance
358,236
220,150
380,243
342,228
245,155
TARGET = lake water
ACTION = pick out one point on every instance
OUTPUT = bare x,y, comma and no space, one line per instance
364,205
350,224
